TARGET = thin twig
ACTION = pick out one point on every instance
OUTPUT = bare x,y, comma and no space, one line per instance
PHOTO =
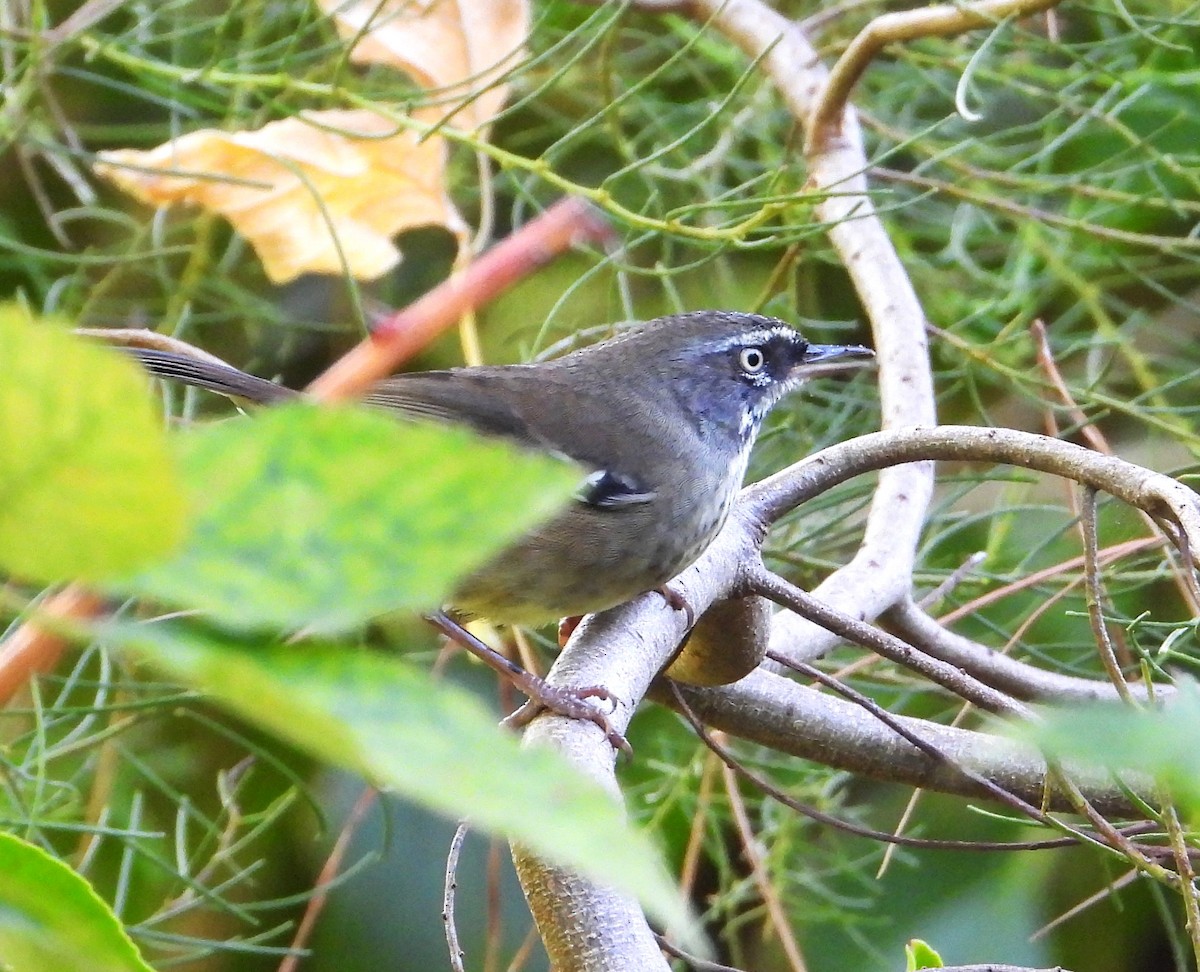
1106,556
997,792
333,864
957,576
1109,889
522,954
695,963
758,869
449,891
769,585
695,841
397,338
1016,678
1184,578
1045,355
1109,834
1187,874
1095,597
935,21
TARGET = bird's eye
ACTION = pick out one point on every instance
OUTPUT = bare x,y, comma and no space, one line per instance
752,360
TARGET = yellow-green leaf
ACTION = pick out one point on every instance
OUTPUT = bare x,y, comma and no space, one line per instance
88,489
52,921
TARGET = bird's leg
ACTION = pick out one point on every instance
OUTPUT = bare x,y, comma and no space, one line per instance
566,628
542,695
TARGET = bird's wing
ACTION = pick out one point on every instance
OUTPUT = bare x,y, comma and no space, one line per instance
608,490
524,406
484,402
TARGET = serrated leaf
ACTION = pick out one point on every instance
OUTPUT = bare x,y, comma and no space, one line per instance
52,921
430,741
88,489
325,517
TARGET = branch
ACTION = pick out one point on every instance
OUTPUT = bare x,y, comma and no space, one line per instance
770,499
880,574
845,626
584,925
826,121
398,337
1015,678
624,648
776,712
1153,492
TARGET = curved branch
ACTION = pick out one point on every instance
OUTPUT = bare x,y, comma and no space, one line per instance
825,122
1154,492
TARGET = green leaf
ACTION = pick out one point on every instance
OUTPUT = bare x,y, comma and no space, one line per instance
52,921
428,740
325,517
1163,742
87,486
919,955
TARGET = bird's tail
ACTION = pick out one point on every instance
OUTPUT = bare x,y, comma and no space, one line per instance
221,378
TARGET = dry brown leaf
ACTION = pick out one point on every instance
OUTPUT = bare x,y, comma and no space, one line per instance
459,47
286,185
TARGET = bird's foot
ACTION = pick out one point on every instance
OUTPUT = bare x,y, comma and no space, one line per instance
571,703
678,600
542,695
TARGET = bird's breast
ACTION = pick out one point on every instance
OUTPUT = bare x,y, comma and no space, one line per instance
587,559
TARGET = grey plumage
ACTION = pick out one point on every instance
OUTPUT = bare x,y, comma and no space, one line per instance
662,417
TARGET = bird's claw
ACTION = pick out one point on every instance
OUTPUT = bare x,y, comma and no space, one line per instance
678,600
571,703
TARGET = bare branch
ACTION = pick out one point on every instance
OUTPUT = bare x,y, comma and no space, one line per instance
889,646
449,897
675,699
825,122
566,223
774,711
1015,678
1095,597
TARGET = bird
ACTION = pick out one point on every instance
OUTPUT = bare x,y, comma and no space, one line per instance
661,420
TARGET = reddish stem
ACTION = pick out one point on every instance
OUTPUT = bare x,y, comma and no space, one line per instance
333,864
31,649
403,334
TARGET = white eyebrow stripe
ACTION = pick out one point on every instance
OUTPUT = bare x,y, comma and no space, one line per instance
762,336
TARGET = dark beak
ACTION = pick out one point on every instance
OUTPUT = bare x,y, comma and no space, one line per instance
822,359
815,353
